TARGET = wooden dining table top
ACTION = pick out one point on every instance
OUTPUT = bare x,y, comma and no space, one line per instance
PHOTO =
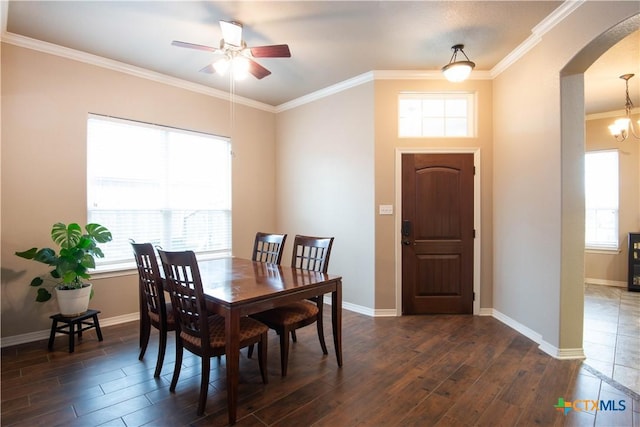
231,281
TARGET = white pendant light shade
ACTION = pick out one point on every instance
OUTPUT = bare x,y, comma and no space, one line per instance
457,71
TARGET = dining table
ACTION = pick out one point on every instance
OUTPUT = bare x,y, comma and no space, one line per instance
236,287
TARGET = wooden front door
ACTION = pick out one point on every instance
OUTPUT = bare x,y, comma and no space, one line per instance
437,233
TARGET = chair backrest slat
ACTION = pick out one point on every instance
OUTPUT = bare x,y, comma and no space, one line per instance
268,247
183,281
149,278
311,253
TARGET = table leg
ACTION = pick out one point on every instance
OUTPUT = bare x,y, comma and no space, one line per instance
336,320
232,349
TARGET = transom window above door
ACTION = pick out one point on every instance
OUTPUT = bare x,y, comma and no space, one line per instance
437,114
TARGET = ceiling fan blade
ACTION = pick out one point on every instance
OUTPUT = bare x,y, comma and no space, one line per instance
231,33
274,51
208,69
258,70
194,46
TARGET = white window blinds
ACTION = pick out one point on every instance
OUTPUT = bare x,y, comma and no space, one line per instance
601,199
157,184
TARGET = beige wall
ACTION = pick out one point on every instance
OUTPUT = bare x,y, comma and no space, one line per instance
614,266
538,152
386,143
341,149
45,102
325,183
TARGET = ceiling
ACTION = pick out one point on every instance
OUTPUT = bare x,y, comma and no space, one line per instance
330,41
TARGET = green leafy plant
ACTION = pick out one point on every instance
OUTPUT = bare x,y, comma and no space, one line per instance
76,255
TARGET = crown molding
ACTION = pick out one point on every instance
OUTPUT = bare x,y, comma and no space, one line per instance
615,114
371,76
87,58
557,16
327,91
424,75
543,27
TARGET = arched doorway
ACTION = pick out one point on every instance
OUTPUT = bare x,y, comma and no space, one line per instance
573,149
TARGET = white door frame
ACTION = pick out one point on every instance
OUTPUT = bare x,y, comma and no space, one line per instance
476,218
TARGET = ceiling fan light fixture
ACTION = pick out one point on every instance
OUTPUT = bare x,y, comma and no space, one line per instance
240,67
457,71
237,57
221,65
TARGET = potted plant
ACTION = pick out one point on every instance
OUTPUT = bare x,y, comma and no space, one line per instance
76,255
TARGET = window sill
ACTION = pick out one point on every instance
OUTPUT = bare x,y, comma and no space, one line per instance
129,268
603,251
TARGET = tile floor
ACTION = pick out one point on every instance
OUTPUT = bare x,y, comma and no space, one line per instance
612,333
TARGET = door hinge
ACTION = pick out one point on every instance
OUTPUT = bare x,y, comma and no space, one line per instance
474,170
474,296
474,233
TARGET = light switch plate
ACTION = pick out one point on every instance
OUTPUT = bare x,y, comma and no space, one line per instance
385,209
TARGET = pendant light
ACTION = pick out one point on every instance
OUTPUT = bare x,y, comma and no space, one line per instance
457,71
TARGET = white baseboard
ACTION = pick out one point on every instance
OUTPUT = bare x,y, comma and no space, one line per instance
551,350
571,353
367,311
604,282
41,335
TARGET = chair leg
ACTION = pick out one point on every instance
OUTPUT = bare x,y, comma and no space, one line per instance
321,332
144,317
161,350
294,338
204,384
177,366
262,357
250,351
145,332
284,352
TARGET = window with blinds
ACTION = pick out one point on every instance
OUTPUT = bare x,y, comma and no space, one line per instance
601,200
156,184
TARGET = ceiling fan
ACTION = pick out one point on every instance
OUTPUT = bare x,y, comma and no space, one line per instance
236,55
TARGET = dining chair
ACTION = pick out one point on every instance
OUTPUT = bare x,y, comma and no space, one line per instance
268,247
154,310
197,331
309,253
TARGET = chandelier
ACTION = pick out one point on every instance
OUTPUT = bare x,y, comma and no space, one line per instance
622,128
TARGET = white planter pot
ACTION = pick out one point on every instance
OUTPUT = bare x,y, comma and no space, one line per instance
73,302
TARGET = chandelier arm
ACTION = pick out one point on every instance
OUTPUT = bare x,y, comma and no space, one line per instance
623,128
628,109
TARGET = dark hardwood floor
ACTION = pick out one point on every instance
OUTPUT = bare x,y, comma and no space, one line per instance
408,371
